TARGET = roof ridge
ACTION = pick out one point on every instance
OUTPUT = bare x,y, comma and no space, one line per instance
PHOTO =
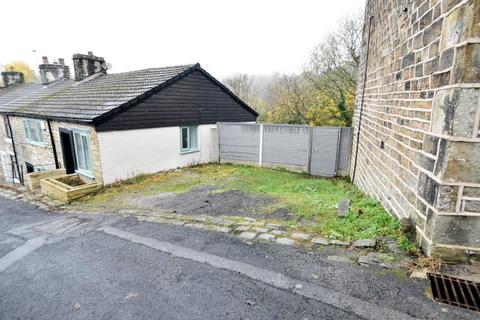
190,65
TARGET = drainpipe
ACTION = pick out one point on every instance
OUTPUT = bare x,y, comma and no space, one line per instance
362,99
54,148
14,150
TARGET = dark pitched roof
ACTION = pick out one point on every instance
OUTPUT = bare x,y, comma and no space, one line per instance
95,98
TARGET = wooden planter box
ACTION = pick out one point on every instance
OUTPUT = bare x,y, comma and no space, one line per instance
33,179
67,187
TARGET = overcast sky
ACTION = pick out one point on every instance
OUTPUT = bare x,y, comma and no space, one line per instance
226,37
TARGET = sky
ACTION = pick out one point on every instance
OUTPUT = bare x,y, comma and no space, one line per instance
225,37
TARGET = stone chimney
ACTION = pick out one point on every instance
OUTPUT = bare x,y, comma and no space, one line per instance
53,72
86,65
10,78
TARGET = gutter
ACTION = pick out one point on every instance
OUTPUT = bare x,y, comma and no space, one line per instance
54,148
362,99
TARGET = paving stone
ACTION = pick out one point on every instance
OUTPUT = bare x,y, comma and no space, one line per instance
177,222
285,241
419,274
274,226
221,229
248,235
199,218
249,219
242,229
258,224
221,221
266,237
301,236
243,223
261,230
339,259
374,259
198,226
340,243
364,243
320,241
278,232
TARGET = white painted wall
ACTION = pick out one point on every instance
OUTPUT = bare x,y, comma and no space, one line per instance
127,153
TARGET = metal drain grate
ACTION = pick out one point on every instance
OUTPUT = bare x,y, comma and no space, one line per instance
455,291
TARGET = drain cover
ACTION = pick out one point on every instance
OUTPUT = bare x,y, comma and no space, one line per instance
455,291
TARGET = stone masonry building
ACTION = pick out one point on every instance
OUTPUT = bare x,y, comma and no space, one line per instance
417,119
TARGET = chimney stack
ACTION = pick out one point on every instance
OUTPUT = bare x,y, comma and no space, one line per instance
86,65
61,61
10,78
50,73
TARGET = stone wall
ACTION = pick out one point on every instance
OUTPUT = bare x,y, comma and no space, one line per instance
41,156
419,145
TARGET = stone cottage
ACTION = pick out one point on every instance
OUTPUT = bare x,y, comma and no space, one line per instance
417,119
108,127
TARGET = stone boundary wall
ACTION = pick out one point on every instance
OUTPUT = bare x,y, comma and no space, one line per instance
419,147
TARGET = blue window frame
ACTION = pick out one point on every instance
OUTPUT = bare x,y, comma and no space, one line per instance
189,139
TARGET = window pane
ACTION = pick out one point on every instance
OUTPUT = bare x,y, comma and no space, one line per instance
184,138
79,151
86,150
7,128
39,131
25,127
193,137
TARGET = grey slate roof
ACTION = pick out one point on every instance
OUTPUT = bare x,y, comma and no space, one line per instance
86,100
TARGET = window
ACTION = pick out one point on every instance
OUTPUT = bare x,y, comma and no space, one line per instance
83,155
33,131
188,139
7,127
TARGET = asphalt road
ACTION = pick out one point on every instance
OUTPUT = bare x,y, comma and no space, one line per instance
106,267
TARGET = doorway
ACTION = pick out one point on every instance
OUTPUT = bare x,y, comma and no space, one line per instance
68,150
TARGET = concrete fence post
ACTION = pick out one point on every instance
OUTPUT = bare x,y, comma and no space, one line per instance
260,147
309,150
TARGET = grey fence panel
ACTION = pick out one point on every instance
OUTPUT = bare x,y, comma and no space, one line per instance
345,149
239,141
321,151
286,145
324,151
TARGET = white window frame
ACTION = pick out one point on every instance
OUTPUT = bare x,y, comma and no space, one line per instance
189,149
30,125
84,171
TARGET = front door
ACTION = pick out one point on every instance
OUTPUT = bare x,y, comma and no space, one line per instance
68,150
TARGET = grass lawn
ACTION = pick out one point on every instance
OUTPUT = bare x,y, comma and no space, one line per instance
313,201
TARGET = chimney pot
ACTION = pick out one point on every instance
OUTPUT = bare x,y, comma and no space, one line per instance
45,60
90,53
61,61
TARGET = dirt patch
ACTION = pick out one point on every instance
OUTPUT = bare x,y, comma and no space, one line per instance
72,181
209,200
